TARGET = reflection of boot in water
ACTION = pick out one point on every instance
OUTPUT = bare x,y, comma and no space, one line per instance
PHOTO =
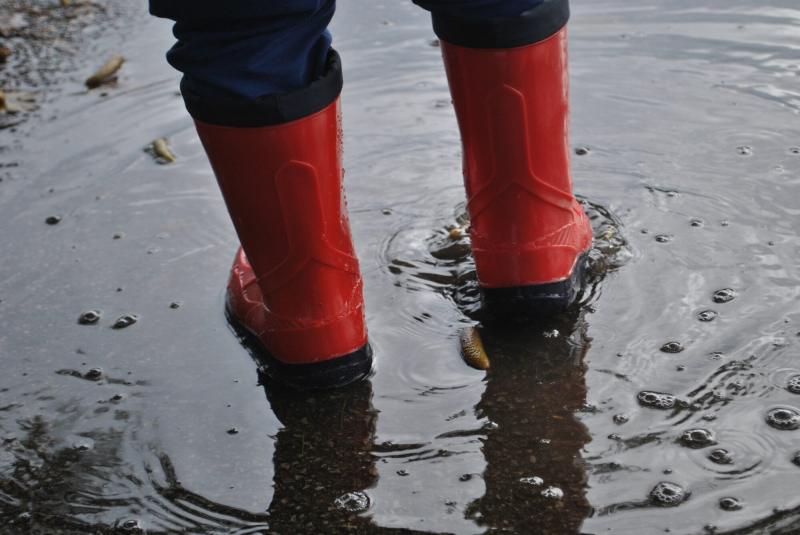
322,460
534,386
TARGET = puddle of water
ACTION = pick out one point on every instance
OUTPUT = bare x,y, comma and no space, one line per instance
687,117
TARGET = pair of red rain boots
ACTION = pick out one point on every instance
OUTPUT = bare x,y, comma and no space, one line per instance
298,291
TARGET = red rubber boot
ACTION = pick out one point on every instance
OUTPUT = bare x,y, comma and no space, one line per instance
295,285
508,79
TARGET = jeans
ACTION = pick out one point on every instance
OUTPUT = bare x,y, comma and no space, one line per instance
252,48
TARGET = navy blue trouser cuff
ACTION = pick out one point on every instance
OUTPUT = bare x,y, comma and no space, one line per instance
253,48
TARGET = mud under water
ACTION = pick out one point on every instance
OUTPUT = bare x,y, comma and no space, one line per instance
667,402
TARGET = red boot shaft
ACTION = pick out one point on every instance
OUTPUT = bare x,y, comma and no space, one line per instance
512,107
283,187
295,285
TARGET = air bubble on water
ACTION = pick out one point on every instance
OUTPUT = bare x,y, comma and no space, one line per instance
129,525
465,477
534,481
553,493
794,150
353,502
697,438
402,473
672,347
784,418
663,238
53,220
657,400
796,458
125,321
89,317
696,222
175,305
551,334
720,456
667,494
83,444
744,150
793,384
232,431
707,315
724,295
620,419
582,151
730,503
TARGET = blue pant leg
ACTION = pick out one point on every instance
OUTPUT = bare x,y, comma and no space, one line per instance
478,9
248,48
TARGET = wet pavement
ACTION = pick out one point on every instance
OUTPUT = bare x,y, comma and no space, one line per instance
668,401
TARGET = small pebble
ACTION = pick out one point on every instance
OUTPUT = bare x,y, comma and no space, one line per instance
95,374
232,431
175,305
53,220
455,233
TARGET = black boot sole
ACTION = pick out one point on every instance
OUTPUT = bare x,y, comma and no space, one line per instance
332,373
537,300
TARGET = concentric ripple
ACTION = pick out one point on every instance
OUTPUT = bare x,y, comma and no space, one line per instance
439,260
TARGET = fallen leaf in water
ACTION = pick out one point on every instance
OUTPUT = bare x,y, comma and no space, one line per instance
105,74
